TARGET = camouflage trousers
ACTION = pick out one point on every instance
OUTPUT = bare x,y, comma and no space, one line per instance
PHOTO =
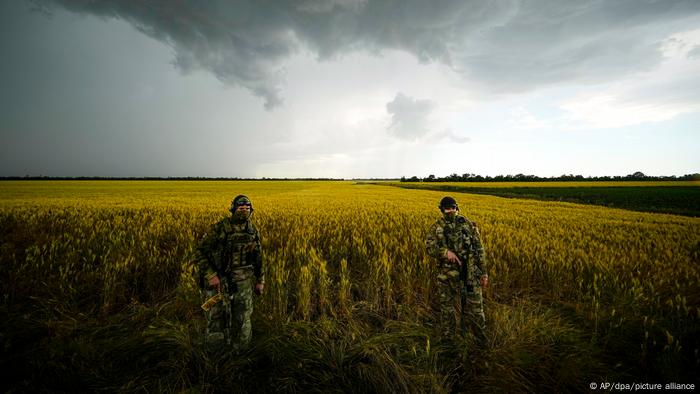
228,322
449,288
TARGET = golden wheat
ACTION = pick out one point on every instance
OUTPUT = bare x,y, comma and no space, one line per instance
329,245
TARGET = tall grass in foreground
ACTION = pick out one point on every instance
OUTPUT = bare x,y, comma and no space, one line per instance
102,294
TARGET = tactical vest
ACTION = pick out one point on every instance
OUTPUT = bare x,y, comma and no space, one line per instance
458,235
235,245
459,238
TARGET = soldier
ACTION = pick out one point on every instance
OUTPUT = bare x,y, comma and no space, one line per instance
228,258
455,242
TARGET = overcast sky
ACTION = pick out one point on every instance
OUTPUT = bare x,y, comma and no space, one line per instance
349,88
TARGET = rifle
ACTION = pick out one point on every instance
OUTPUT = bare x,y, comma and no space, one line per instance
228,289
466,288
213,300
224,295
218,297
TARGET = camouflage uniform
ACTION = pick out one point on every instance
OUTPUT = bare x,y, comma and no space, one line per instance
460,236
231,251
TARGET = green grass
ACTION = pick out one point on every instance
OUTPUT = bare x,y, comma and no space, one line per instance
677,200
157,348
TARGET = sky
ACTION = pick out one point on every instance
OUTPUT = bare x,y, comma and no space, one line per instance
349,88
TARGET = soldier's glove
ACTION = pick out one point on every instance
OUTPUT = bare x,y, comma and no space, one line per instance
452,258
484,281
215,282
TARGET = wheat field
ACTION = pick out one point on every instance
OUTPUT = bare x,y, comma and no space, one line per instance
99,291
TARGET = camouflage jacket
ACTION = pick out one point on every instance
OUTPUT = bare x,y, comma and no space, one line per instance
230,250
462,237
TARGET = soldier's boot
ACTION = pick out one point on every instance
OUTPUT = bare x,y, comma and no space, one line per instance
448,323
477,328
480,338
214,341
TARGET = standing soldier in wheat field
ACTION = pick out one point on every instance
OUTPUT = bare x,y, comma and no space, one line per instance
454,241
229,260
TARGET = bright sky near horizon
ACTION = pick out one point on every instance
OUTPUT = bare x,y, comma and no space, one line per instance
349,88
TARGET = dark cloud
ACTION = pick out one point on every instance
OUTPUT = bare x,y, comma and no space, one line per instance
449,135
242,43
694,53
409,117
504,46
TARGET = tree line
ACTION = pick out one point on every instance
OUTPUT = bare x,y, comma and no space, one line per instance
637,176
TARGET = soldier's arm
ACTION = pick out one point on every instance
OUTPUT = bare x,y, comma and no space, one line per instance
435,242
258,267
479,253
203,256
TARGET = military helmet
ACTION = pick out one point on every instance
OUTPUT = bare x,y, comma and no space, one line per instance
448,202
240,199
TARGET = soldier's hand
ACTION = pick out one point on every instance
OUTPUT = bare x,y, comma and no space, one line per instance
484,281
215,282
259,288
452,258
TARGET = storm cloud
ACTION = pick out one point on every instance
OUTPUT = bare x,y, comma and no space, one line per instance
498,47
409,116
449,135
694,53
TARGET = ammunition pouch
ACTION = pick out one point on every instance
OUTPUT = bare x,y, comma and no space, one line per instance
467,283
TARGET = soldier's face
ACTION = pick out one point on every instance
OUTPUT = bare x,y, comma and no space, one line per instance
242,212
450,211
243,208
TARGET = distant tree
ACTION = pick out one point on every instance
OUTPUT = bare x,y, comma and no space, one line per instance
469,177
